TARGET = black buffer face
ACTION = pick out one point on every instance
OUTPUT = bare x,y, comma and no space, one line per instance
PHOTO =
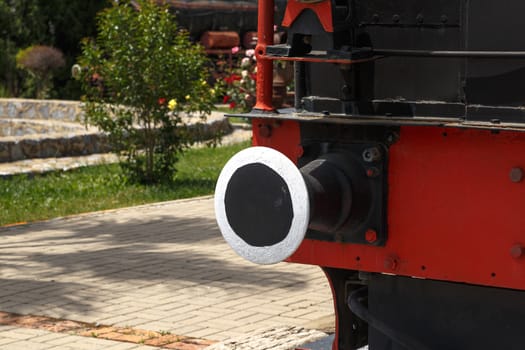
258,205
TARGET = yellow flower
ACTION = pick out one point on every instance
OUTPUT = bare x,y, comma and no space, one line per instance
212,92
187,97
203,83
172,104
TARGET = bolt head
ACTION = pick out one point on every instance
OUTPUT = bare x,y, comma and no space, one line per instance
265,131
517,251
392,137
372,172
516,174
372,154
371,236
391,263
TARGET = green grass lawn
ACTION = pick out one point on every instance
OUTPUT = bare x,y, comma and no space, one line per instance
31,198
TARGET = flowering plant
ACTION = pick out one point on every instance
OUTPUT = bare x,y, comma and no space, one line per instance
142,88
239,84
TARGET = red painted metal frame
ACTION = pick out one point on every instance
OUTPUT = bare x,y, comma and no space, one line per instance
322,9
283,133
453,212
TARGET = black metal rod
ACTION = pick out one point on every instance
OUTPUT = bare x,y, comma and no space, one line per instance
450,54
300,84
362,312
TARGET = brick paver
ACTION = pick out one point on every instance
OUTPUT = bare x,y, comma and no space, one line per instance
161,267
12,338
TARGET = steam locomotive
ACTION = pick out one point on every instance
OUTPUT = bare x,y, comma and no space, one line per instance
217,25
399,171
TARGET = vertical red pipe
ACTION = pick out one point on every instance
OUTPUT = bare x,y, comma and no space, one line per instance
264,66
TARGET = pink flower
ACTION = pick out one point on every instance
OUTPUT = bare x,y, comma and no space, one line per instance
235,49
250,52
245,62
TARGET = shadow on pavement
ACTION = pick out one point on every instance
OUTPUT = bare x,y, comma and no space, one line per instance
71,258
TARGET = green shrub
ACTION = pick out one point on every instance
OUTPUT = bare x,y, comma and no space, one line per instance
141,76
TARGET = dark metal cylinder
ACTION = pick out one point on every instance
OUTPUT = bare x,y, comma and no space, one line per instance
330,194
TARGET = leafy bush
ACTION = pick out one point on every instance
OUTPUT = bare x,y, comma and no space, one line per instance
240,82
57,23
40,61
142,77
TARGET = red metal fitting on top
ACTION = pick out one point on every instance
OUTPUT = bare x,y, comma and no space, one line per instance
323,10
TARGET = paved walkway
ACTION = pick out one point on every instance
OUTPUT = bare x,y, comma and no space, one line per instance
161,267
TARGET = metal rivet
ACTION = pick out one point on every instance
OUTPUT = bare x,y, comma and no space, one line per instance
391,263
371,236
392,137
265,131
516,251
395,18
516,174
372,172
444,19
420,18
375,18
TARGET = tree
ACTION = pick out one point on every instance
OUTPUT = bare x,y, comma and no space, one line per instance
141,76
40,61
68,22
20,27
57,23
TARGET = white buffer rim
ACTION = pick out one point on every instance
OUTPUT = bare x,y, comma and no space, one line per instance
283,166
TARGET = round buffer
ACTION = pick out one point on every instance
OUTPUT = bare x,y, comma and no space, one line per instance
262,205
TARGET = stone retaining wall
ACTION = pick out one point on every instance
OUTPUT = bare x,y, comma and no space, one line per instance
57,115
55,130
46,147
69,111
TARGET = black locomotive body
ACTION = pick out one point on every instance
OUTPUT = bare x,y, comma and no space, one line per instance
399,170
